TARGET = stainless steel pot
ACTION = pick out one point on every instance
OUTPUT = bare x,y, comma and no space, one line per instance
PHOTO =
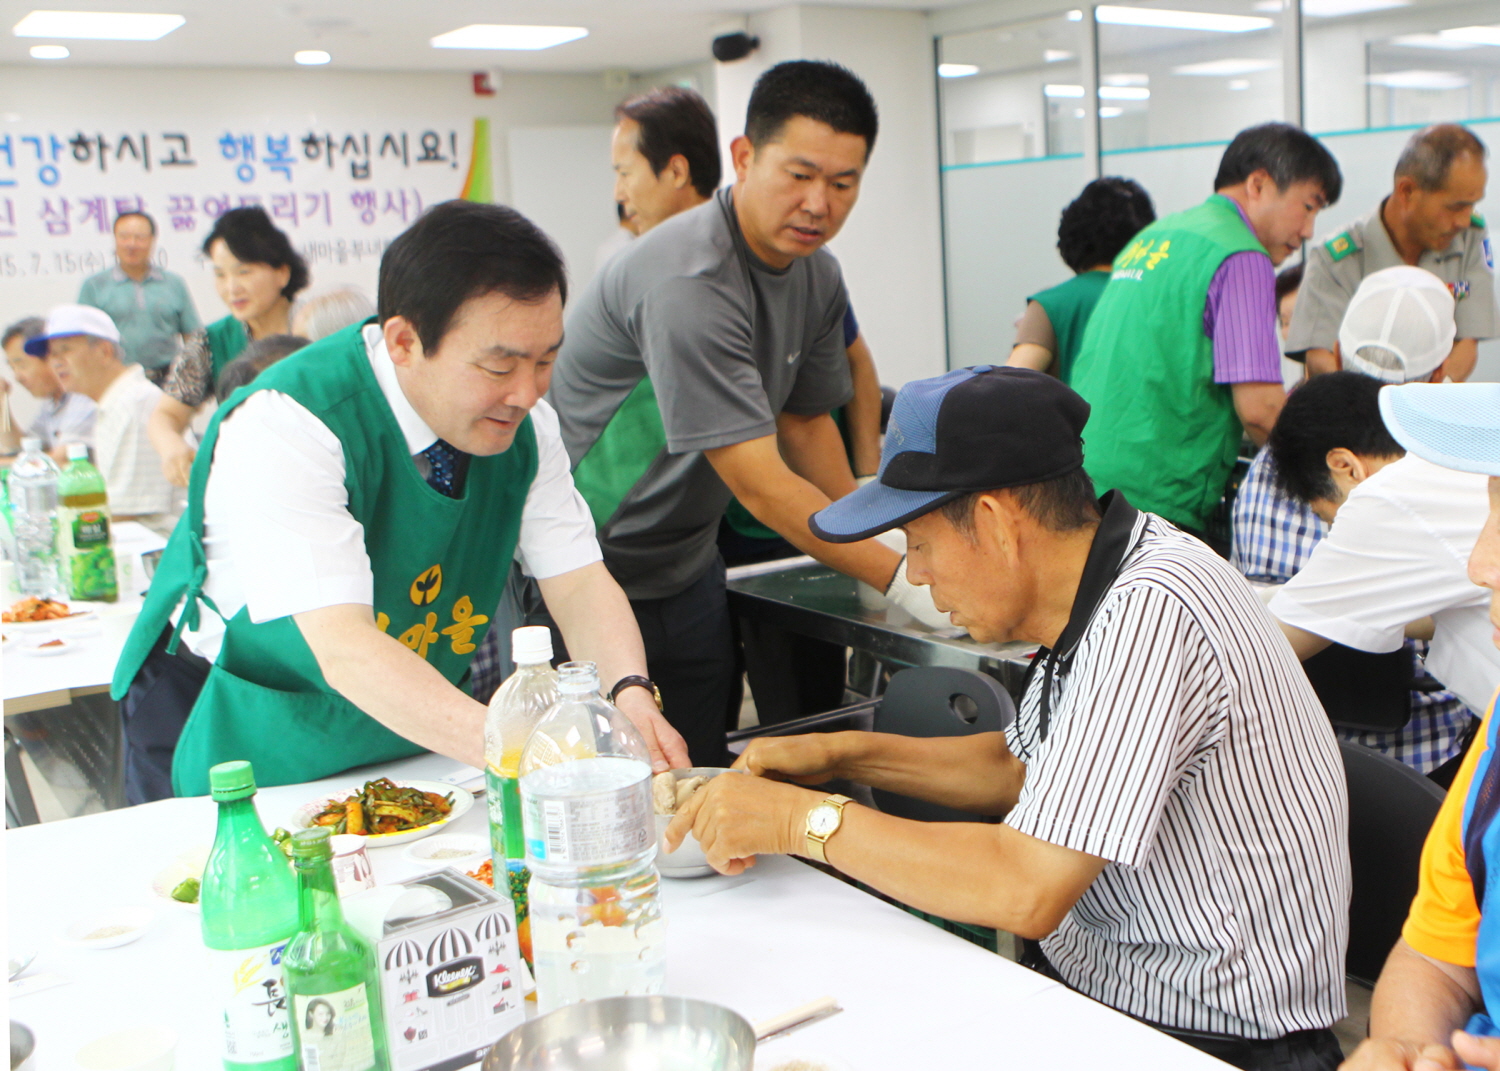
22,1048
625,1033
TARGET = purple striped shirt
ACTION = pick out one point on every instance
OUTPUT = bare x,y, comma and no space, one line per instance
1240,317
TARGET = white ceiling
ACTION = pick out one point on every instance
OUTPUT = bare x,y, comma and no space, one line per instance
636,35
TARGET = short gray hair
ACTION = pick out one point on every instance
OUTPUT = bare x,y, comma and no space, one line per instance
331,311
1429,154
26,330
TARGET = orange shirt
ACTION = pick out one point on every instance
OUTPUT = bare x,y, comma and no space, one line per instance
1444,918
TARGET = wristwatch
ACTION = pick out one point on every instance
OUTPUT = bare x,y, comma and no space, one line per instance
637,682
823,821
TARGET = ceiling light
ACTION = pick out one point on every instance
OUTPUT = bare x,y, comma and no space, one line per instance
519,38
1224,68
1110,113
956,70
1474,35
1432,40
311,57
50,52
1332,9
97,25
1239,83
1126,79
1419,80
1056,55
1075,15
1062,91
1105,92
1268,5
1180,20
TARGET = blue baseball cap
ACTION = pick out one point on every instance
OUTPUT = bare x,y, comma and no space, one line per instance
972,429
1455,425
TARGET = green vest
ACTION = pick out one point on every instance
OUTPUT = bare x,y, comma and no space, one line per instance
1161,429
440,566
1068,306
226,341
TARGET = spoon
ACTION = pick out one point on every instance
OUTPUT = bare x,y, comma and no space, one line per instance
18,963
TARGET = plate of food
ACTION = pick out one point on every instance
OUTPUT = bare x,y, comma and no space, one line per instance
32,614
386,812
48,645
180,882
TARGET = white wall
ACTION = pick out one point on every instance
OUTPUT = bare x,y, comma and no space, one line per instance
890,248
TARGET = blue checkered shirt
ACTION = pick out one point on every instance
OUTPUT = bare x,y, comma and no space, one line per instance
1274,535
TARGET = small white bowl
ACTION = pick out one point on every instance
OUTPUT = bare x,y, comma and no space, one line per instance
688,861
115,927
462,850
48,646
140,1048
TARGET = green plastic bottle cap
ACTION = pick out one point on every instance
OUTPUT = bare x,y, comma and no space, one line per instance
312,843
231,780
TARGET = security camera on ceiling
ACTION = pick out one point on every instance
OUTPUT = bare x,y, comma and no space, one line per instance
734,46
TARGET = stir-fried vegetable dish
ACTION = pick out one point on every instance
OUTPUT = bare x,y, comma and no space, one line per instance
384,807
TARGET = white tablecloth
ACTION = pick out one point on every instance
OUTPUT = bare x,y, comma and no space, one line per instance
913,995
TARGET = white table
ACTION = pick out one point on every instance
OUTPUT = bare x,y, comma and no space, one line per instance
913,996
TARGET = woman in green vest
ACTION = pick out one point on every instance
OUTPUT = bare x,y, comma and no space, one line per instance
351,521
257,274
1094,228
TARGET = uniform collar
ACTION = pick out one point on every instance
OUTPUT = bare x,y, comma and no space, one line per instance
153,274
413,428
1376,235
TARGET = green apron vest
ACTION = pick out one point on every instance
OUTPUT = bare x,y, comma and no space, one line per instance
226,341
1068,307
440,566
1161,429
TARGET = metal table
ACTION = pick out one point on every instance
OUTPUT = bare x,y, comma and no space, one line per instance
808,598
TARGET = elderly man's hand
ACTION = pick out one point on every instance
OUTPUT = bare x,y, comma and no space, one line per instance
177,466
736,817
668,749
1475,1051
808,760
1387,1054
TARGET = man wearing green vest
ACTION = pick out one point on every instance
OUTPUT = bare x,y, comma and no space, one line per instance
1180,355
352,516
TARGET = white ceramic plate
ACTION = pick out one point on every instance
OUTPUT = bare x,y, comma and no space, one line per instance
463,850
109,929
462,800
44,646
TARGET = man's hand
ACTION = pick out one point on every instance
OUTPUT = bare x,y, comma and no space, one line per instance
668,749
811,759
177,463
735,818
1475,1051
1386,1054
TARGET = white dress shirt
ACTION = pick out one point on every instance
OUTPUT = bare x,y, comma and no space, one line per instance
278,533
1398,551
130,464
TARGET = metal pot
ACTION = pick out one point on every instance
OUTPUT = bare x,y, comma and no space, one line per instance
622,1033
22,1048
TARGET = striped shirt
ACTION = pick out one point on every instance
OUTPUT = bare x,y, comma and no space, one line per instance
1187,749
1240,316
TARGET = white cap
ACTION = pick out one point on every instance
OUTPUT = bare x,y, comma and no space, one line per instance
1399,325
68,320
530,645
77,451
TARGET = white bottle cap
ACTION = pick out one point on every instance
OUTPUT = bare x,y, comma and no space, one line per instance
31,445
78,451
530,645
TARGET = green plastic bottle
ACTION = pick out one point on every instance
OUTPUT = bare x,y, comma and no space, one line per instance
83,546
331,973
249,904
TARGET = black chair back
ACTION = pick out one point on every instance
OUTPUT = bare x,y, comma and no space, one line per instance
1391,808
1369,692
932,701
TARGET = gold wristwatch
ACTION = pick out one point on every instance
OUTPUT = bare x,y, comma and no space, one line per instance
823,821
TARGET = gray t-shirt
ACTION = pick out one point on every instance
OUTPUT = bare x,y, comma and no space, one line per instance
683,342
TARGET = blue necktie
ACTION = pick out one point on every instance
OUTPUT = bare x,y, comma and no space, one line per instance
447,465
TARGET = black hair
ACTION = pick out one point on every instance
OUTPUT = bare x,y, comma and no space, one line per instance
254,239
145,216
1098,223
26,330
1287,153
255,359
459,250
677,122
1429,154
1288,282
1339,409
816,89
1063,504
312,1006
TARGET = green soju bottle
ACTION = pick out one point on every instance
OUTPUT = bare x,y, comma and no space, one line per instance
331,972
249,903
83,546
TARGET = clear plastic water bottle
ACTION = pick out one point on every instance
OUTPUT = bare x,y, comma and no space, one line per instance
596,924
517,707
33,505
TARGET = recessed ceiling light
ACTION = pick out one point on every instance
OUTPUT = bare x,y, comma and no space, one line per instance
97,25
1224,68
956,70
1180,20
520,38
1332,9
1105,92
1062,91
1111,113
1474,35
1432,40
1126,80
1075,15
311,57
50,52
1419,80
1056,55
1239,83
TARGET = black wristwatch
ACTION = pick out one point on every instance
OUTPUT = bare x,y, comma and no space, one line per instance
637,682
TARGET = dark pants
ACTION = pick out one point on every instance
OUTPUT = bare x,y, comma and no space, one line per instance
154,711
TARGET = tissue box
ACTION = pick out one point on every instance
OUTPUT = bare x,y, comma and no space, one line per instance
450,968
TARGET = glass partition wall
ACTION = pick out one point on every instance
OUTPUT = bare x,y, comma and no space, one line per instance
1175,81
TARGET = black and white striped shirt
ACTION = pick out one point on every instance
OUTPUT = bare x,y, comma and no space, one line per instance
1187,748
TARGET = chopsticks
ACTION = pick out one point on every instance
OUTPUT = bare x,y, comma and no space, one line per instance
786,1022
